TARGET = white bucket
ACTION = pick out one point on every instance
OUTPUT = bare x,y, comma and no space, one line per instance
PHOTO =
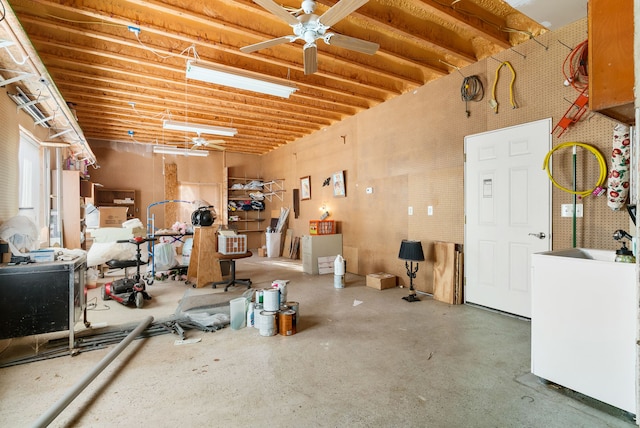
271,300
238,309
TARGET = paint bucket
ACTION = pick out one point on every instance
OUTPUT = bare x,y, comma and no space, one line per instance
287,323
294,306
238,310
268,323
271,299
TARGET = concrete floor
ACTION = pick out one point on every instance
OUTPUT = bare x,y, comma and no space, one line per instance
381,363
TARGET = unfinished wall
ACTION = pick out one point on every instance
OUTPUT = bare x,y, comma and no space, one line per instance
136,168
410,150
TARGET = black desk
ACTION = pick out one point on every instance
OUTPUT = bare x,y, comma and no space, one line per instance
232,280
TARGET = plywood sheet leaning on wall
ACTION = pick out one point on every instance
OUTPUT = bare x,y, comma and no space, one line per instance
170,193
447,272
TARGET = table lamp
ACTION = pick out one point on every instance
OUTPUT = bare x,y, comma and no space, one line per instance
411,251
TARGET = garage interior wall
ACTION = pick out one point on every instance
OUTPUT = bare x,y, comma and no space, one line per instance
409,150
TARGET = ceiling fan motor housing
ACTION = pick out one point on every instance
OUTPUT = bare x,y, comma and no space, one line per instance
308,6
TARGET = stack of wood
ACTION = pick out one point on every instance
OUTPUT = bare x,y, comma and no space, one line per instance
291,245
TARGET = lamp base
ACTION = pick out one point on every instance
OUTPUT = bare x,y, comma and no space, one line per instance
411,298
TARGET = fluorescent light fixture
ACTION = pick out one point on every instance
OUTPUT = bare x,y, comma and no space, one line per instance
172,150
239,79
199,129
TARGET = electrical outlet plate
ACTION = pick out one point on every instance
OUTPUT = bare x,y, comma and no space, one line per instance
566,210
429,210
410,210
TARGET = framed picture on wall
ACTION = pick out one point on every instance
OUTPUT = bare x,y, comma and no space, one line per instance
338,184
305,188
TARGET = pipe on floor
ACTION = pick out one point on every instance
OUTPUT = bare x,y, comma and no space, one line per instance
58,407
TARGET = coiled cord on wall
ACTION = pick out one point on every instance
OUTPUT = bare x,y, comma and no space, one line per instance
471,90
601,163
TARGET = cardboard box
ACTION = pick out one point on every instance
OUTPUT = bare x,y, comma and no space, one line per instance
262,252
381,280
112,216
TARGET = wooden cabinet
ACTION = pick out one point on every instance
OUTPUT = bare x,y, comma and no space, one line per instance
74,191
611,75
104,197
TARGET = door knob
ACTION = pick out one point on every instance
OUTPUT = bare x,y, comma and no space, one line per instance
540,235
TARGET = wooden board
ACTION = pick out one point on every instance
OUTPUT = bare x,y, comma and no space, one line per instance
288,237
295,247
447,285
204,267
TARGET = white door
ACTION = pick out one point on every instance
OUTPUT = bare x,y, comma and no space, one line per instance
507,211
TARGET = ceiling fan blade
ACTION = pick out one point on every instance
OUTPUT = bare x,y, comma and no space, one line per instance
310,58
339,11
277,10
352,43
212,143
215,146
265,44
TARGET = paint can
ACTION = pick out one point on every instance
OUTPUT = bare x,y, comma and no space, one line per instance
256,315
271,300
259,297
294,306
268,323
287,323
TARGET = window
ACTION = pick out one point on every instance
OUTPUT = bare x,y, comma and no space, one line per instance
30,195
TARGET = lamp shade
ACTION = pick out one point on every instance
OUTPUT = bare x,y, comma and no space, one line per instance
411,250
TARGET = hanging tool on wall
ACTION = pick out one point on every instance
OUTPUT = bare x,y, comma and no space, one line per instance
493,102
471,90
580,107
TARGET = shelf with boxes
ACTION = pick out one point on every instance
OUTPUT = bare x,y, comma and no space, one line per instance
118,199
245,201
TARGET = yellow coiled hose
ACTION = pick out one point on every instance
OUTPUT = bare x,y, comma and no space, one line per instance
601,163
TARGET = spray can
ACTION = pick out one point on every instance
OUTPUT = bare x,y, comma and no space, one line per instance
250,315
338,271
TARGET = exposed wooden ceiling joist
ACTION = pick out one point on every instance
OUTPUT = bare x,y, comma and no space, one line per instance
124,82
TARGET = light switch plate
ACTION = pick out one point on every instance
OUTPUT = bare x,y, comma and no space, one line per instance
566,210
410,210
429,210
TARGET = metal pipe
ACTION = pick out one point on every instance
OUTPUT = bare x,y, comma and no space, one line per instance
575,197
58,407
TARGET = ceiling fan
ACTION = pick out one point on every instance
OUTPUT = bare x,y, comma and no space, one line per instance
310,27
203,142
